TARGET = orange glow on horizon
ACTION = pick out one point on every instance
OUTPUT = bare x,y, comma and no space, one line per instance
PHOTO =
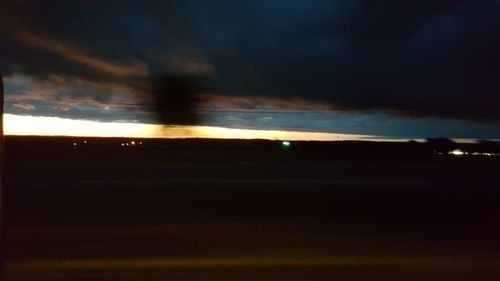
55,126
228,133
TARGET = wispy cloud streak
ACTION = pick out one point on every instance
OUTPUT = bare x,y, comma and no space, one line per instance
75,54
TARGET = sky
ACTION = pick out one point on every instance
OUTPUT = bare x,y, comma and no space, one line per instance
315,69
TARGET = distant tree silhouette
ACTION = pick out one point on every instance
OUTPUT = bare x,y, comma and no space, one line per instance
441,144
488,146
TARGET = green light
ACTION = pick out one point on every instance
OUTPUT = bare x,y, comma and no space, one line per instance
286,145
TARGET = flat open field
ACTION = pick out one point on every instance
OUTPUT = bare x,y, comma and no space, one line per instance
248,211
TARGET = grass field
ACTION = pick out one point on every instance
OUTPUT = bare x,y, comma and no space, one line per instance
224,214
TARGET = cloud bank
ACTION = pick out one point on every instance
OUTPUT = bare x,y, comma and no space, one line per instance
402,58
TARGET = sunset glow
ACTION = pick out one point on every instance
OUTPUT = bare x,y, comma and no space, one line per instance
218,132
54,126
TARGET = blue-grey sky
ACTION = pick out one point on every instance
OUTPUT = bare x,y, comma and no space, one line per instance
411,69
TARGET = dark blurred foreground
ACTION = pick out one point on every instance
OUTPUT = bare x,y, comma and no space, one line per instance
94,209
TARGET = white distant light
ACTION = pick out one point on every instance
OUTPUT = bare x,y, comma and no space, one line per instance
84,141
123,144
132,142
456,152
485,154
74,143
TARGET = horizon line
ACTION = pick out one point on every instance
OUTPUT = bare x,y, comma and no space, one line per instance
26,125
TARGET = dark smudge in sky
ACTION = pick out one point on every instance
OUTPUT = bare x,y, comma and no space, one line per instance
175,99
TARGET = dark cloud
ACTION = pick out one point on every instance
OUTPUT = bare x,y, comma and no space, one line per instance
414,58
419,58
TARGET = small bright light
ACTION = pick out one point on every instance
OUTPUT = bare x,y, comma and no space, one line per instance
127,144
132,142
74,143
123,144
456,152
85,141
485,154
285,145
140,143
